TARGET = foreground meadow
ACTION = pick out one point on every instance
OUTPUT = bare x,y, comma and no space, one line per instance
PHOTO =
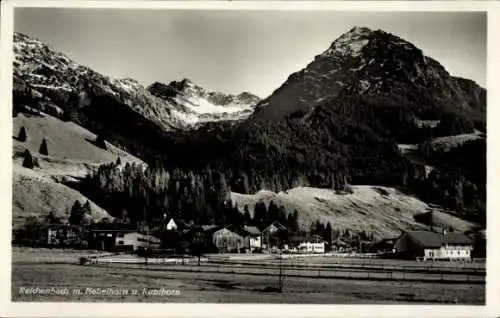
60,270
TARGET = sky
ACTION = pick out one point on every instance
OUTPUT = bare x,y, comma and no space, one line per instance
234,50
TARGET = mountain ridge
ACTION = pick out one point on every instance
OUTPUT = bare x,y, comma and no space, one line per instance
64,86
365,61
338,122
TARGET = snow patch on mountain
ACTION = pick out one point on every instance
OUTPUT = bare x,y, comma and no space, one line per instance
350,43
56,79
204,104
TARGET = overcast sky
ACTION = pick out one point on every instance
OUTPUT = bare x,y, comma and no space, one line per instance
234,51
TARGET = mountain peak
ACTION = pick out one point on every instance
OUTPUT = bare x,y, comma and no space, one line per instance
351,42
359,30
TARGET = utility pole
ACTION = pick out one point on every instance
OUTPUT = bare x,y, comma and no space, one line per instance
281,275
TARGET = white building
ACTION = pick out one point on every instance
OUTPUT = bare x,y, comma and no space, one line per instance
135,240
310,247
254,237
434,246
171,225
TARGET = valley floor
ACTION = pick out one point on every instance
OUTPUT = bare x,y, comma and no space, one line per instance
46,268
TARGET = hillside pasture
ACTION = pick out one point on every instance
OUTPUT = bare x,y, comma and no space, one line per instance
388,209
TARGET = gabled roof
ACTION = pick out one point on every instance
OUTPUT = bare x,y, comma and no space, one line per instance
276,224
171,224
116,230
252,230
209,228
229,228
426,238
456,238
429,239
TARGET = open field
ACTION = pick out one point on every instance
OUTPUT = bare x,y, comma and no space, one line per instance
32,268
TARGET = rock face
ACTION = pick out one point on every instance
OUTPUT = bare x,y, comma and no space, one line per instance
209,105
363,61
50,81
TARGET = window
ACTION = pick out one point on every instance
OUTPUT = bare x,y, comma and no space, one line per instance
121,235
120,242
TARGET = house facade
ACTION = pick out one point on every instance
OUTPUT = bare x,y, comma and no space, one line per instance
271,235
312,247
434,246
253,237
121,240
65,235
227,241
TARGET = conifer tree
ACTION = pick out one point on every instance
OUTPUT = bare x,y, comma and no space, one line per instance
28,160
100,142
43,148
77,214
22,135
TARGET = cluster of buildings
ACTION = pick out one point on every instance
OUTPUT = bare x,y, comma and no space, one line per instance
425,245
250,239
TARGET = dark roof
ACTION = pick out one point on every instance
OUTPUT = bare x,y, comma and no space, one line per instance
426,238
252,230
209,227
298,239
115,230
278,225
456,238
436,240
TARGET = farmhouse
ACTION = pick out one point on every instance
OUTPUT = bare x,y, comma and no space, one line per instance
253,237
434,246
226,240
312,247
121,240
339,246
64,235
273,234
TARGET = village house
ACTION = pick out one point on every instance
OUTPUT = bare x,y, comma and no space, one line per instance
339,246
171,225
385,245
272,235
64,235
227,240
121,240
253,238
428,245
311,245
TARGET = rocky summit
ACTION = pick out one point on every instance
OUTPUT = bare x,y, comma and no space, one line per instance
373,62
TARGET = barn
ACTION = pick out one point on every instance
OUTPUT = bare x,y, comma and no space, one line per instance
228,241
434,246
